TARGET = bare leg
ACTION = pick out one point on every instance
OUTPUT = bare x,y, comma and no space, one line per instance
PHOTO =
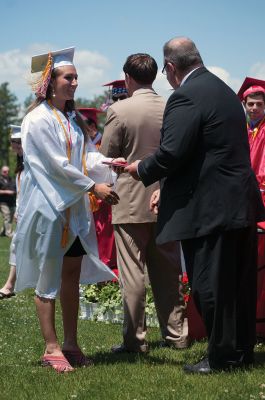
46,313
53,355
70,300
8,287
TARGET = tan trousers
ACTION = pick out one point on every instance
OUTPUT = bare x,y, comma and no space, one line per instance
136,248
8,214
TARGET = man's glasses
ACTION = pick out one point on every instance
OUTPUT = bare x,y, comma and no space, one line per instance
164,71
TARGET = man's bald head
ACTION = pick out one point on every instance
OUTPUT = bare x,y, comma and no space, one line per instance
182,52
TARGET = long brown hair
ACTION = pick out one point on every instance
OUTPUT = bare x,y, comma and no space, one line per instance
19,164
69,105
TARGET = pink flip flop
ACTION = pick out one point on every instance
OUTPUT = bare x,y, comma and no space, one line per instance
58,363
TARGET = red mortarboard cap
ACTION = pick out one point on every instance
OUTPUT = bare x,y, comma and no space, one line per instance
251,85
90,113
118,87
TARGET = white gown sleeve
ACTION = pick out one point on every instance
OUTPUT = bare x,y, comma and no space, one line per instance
100,173
61,183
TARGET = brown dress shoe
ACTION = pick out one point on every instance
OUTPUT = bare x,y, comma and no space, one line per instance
176,344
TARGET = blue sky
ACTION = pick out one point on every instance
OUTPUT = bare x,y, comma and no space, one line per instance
228,33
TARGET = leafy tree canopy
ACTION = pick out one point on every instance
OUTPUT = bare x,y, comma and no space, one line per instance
9,114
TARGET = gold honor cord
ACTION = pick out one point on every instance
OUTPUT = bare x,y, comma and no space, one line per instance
93,201
255,131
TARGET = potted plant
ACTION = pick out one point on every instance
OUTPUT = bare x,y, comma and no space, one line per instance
103,302
88,300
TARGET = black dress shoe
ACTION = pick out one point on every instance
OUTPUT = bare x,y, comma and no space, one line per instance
202,367
248,358
121,348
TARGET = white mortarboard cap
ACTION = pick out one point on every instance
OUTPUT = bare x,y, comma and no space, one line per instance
15,131
59,59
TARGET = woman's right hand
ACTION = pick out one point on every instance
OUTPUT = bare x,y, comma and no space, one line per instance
103,191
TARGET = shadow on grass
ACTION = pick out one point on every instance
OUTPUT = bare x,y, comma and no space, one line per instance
260,358
158,354
132,358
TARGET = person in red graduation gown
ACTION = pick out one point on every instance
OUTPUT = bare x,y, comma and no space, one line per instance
252,94
102,216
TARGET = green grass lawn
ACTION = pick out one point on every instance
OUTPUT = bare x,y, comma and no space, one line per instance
157,375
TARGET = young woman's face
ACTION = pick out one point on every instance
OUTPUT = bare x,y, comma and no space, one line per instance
16,146
65,83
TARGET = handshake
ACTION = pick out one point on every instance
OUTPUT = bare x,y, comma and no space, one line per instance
120,165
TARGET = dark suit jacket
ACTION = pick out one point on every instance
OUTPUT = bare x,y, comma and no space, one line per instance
203,163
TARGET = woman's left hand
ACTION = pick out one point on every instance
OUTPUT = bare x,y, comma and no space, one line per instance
103,191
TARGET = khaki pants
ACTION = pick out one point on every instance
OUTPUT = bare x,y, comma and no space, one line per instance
8,214
136,248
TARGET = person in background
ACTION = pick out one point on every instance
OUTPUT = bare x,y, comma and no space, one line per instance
102,214
15,139
89,115
252,94
132,129
117,91
7,201
55,241
210,201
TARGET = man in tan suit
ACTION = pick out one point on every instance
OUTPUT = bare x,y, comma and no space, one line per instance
132,131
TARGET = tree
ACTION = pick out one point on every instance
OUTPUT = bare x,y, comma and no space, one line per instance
9,114
27,102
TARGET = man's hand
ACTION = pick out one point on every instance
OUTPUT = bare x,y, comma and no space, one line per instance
154,201
118,170
104,192
132,169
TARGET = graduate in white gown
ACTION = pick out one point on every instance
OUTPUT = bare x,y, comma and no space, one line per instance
7,290
56,234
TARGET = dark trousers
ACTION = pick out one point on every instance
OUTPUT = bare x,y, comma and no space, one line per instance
222,270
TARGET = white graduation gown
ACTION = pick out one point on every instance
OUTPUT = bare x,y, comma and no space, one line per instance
98,171
51,184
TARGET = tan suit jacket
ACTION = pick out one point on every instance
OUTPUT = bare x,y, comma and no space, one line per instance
132,131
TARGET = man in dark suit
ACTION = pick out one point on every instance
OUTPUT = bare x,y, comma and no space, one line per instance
209,201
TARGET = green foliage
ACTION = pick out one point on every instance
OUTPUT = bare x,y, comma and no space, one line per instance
149,302
9,114
108,297
90,293
27,102
96,102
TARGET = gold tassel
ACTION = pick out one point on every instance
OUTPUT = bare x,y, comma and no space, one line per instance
48,67
64,239
44,76
94,205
